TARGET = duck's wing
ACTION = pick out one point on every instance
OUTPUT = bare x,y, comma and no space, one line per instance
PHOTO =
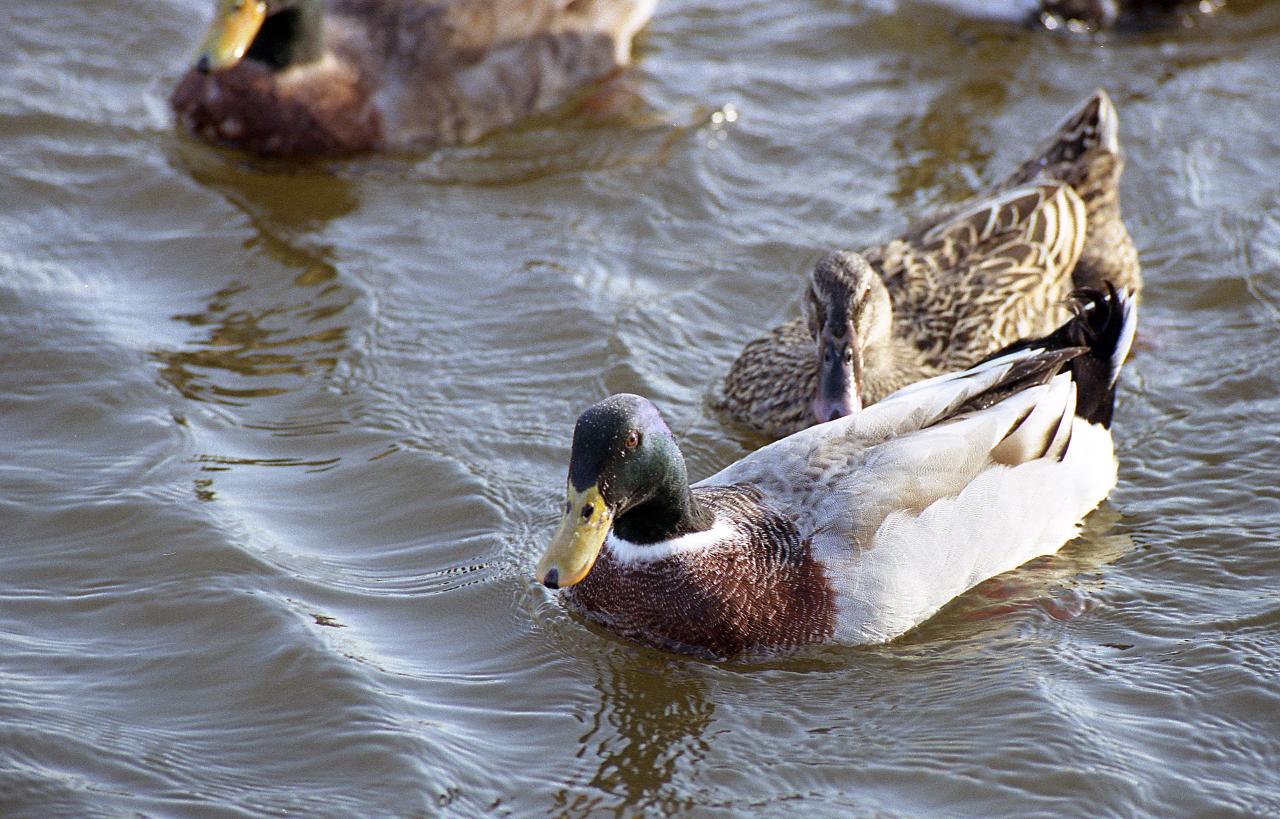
958,438
986,275
954,479
826,457
1043,390
838,482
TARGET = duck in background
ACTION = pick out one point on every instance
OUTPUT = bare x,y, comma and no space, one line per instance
848,532
953,288
1087,15
294,78
1098,15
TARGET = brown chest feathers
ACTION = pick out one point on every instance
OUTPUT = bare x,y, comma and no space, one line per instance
757,590
328,112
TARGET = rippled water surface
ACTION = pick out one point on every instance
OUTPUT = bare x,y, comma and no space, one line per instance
282,444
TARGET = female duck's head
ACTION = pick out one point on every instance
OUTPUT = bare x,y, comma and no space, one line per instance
626,475
276,33
848,311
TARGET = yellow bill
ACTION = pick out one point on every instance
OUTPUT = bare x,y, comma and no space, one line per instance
577,541
235,24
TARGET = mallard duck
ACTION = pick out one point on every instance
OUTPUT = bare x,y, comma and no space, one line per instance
847,532
308,77
953,288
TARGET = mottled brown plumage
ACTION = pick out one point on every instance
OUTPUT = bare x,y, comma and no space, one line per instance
397,74
953,288
1086,154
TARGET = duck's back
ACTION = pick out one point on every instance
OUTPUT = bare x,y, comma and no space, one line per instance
1084,151
991,272
449,71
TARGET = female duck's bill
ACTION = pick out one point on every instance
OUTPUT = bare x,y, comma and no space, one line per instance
851,531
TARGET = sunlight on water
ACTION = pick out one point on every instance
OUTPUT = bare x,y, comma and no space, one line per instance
284,441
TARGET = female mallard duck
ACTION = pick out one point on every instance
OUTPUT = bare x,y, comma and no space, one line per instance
952,289
309,77
848,532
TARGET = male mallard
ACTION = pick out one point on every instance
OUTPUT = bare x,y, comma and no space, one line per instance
952,289
852,531
306,77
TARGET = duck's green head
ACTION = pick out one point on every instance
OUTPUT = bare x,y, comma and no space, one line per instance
626,474
848,311
276,33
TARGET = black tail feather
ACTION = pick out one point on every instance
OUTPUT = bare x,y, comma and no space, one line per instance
1100,326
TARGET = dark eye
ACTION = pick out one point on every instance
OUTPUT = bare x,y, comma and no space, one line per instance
633,439
588,511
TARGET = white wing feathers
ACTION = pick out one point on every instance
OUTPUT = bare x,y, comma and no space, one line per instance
907,508
912,472
918,560
839,443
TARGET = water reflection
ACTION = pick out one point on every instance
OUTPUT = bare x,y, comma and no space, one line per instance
944,151
259,357
247,350
278,197
613,126
252,342
654,712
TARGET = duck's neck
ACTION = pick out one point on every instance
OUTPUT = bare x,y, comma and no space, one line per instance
889,365
669,512
292,37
